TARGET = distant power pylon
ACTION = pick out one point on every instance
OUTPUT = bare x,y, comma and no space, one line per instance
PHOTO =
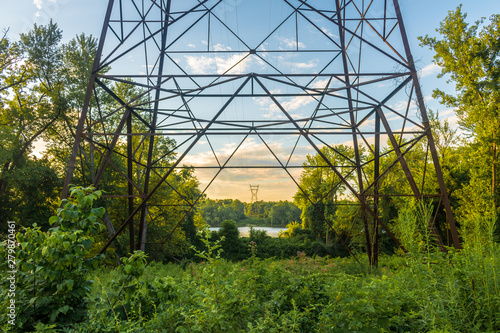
254,189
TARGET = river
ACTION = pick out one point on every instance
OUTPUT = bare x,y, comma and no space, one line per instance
245,231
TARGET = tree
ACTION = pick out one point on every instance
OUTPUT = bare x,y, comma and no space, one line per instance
230,242
42,90
320,187
31,101
239,209
42,86
313,218
32,196
284,212
77,57
10,55
319,181
469,56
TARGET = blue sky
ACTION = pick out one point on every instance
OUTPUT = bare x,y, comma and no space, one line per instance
421,17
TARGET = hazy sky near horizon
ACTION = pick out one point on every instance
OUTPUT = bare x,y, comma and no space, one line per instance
421,17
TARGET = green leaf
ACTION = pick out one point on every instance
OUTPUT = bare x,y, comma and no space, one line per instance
64,309
128,269
69,284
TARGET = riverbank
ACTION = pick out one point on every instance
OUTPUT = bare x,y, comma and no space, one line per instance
271,231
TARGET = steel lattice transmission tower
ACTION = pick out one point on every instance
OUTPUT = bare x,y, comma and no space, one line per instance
222,77
254,189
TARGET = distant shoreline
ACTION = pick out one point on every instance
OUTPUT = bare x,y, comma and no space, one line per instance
271,231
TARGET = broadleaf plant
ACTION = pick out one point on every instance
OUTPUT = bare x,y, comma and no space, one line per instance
51,278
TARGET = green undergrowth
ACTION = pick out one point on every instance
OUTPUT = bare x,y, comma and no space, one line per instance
458,292
60,289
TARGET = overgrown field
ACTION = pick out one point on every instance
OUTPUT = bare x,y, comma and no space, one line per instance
61,285
455,293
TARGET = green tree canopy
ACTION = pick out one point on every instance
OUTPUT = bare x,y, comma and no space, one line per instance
468,55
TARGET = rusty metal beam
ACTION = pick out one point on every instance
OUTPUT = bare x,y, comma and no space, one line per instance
425,120
86,103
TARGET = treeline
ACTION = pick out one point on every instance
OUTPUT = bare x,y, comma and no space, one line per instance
259,213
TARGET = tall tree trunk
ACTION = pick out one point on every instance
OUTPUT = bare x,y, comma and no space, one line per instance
106,217
111,232
3,182
143,234
494,175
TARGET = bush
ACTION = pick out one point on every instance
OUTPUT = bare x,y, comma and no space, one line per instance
51,281
231,243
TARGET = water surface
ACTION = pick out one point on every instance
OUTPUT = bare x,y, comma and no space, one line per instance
245,231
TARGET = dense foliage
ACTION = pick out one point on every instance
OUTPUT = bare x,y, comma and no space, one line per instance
458,292
51,281
468,55
422,290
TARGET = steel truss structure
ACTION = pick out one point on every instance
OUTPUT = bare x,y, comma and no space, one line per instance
212,74
254,189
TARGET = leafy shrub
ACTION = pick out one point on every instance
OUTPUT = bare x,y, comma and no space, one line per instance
130,297
291,231
51,281
231,243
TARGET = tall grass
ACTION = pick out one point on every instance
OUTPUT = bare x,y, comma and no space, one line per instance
423,290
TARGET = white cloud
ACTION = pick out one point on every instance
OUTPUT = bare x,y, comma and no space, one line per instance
429,70
446,112
38,3
320,84
288,103
399,106
221,47
395,117
191,45
452,120
297,102
328,32
290,43
304,65
251,152
218,64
